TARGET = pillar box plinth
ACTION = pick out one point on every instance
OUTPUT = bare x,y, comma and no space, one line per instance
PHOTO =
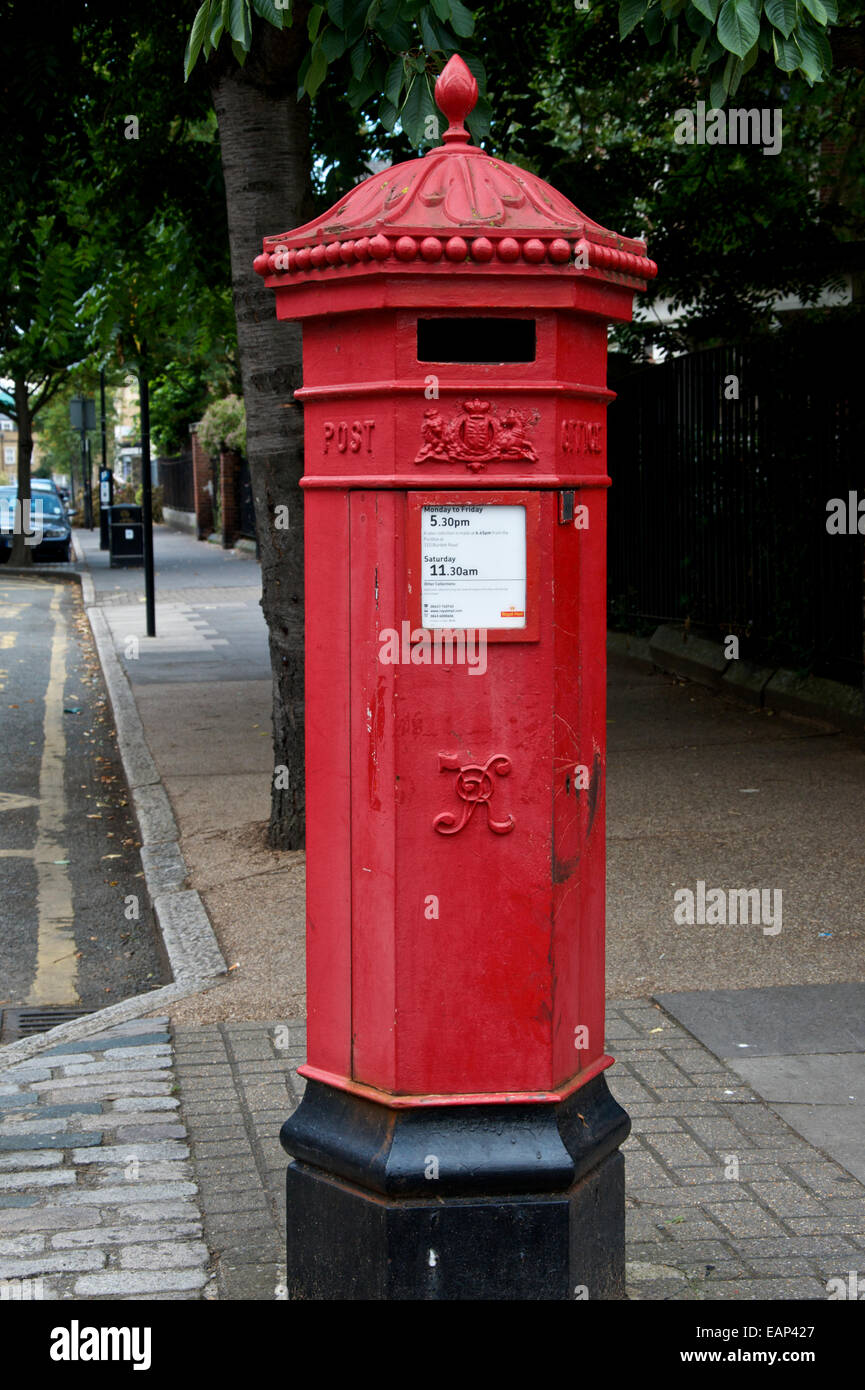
456,1139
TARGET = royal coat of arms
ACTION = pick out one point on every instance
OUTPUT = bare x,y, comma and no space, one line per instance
477,436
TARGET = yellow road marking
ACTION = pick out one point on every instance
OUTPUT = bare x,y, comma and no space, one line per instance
11,801
56,965
7,640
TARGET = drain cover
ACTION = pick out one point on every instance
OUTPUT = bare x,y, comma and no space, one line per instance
21,1023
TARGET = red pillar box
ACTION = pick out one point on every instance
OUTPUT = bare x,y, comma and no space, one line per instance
457,1138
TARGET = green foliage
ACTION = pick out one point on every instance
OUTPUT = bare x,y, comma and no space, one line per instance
179,396
392,50
59,445
156,500
40,333
731,36
113,248
223,425
730,228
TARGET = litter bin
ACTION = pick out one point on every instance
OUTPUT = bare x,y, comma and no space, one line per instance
125,537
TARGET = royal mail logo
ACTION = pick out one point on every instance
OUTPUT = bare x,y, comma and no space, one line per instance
512,613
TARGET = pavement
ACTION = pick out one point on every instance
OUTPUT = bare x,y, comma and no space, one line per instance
701,788
739,1052
801,1047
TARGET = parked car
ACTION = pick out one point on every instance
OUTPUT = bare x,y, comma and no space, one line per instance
47,514
44,485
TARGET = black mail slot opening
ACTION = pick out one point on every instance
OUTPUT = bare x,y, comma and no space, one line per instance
476,340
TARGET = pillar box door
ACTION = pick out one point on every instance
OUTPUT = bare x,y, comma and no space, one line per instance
455,313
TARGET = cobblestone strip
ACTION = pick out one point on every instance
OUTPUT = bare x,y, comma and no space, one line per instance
237,1086
724,1200
97,1199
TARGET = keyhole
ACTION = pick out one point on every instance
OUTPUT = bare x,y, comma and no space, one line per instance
568,785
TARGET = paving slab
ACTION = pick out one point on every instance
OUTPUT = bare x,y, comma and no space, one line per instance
779,1021
801,1048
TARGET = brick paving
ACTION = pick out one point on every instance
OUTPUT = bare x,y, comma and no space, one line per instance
724,1201
238,1084
787,1223
139,1165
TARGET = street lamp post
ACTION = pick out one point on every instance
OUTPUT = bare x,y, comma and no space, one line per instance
82,417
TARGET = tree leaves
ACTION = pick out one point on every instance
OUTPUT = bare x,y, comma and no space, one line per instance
782,13
333,43
268,10
196,38
814,46
417,108
788,55
420,33
738,26
630,14
708,8
393,81
654,24
240,23
817,9
734,36
462,20
316,71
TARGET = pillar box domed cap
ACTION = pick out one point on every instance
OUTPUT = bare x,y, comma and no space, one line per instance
455,210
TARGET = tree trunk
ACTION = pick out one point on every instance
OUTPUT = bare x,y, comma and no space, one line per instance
22,554
264,139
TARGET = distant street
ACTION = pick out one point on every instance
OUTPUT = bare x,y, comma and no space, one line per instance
75,926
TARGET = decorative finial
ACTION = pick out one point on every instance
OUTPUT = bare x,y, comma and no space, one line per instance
456,92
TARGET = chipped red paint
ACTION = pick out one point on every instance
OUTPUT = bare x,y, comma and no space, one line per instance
454,957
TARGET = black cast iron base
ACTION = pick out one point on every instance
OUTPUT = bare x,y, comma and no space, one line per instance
456,1202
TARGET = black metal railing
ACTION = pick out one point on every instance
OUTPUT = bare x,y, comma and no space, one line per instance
175,477
246,501
723,462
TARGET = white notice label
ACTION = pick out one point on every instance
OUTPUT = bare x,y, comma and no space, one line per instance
473,563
